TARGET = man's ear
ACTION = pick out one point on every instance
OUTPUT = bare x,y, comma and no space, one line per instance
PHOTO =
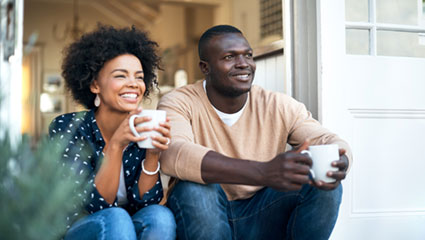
205,68
94,87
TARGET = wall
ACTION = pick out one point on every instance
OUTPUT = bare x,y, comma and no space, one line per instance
246,17
41,16
177,29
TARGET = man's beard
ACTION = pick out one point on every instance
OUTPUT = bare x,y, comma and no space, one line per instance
233,92
229,91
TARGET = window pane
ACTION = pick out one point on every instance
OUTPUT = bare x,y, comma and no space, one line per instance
397,11
271,18
402,44
357,41
357,10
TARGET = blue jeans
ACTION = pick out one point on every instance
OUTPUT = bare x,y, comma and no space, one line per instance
151,222
203,212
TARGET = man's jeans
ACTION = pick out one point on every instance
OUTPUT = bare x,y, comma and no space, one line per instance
151,222
203,212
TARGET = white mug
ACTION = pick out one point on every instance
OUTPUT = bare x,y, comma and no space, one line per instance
323,156
157,116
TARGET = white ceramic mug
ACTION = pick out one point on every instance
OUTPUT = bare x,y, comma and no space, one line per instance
323,156
157,116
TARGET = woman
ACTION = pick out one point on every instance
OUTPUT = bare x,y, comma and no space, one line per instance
109,71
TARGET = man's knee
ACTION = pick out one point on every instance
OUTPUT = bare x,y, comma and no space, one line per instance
200,211
325,202
333,197
194,195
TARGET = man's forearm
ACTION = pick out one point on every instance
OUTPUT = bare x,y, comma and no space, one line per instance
217,168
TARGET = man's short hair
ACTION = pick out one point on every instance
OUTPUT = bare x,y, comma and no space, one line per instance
212,32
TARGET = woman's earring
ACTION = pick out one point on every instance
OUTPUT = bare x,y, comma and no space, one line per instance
97,100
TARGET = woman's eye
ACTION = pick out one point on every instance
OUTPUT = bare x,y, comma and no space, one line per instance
140,78
119,76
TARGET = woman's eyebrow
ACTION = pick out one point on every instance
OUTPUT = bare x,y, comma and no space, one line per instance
119,70
124,70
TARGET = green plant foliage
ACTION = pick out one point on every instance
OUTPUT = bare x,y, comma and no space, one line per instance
36,192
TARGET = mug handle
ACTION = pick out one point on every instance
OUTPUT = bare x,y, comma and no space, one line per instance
311,170
131,123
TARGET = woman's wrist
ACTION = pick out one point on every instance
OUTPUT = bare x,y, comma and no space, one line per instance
148,169
113,147
152,155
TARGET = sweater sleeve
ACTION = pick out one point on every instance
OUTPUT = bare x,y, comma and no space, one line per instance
303,126
183,158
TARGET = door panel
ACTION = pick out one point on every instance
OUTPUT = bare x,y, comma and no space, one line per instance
376,103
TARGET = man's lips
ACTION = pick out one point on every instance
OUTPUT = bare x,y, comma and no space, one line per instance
243,76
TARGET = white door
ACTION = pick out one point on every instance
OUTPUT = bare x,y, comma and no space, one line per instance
372,93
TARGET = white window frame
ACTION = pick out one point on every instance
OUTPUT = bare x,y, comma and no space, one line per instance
373,26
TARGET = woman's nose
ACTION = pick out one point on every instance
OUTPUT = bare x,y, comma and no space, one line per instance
132,81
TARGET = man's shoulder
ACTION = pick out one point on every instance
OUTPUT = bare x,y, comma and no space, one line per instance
268,97
185,94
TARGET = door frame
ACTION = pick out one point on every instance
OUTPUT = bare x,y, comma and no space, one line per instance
11,73
301,53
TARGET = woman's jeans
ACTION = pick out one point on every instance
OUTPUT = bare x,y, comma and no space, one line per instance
203,212
151,222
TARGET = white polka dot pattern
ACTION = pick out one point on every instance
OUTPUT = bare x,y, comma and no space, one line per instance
85,151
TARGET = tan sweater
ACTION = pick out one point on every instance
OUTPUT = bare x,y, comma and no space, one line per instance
269,121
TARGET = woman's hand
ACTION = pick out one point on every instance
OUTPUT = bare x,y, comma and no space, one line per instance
161,142
123,134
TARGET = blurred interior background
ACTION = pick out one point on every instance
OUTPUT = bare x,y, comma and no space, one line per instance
50,25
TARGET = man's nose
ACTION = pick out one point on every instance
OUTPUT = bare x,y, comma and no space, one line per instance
241,62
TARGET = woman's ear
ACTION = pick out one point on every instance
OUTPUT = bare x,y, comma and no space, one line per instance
205,68
94,87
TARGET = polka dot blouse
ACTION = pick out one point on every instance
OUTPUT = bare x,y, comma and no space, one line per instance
80,137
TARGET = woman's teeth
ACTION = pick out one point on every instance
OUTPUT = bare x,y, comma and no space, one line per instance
129,95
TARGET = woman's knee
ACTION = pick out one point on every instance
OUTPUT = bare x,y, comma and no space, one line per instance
116,214
118,220
110,223
163,217
155,222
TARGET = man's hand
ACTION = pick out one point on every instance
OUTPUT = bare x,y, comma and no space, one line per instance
288,171
342,165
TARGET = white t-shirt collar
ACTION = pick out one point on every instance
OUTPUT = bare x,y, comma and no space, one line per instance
228,118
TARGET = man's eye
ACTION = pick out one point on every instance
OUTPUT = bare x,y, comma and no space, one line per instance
248,55
228,57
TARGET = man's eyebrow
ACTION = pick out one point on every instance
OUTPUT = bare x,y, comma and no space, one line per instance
236,51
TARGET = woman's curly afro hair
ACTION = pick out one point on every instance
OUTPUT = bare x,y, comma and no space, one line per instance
86,57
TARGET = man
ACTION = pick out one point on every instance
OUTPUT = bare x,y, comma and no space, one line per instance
229,138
